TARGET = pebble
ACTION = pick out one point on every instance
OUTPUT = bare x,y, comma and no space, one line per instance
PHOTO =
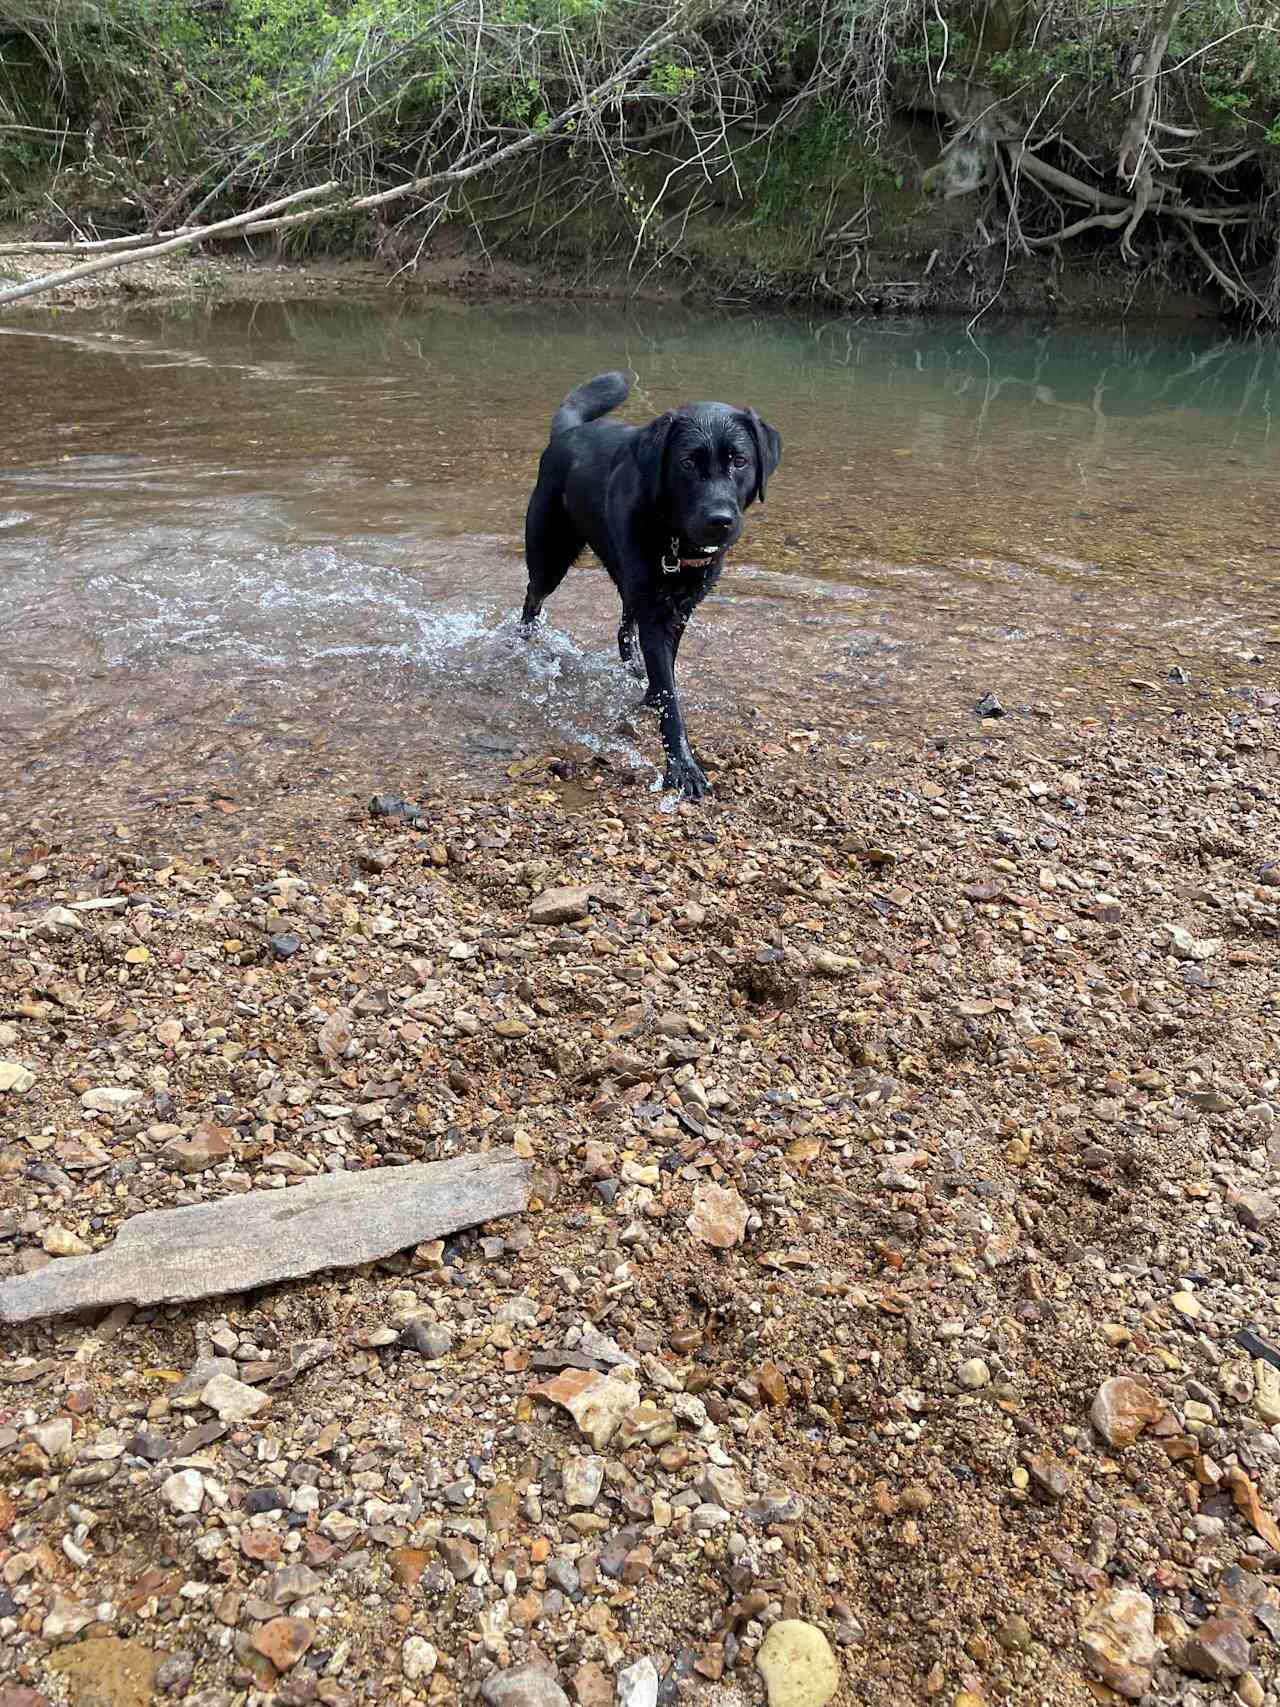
1122,1408
1014,1634
563,906
175,1671
59,1242
592,1686
418,1659
1118,1637
517,1312
1179,942
1048,1478
184,1491
638,1684
427,1338
780,1506
66,1619
1218,1648
284,1641
718,1217
1257,1209
1266,1391
797,1664
974,1372
293,1582
53,1437
110,1099
582,1478
597,1403
188,1393
234,1401
204,1148
523,1686
15,1078
723,1487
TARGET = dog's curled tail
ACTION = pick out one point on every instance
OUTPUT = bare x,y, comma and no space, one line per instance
588,402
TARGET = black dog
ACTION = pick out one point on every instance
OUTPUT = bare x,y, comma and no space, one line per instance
659,505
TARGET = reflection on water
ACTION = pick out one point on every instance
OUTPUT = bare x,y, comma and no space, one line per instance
264,548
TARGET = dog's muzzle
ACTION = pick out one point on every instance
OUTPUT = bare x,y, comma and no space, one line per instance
673,563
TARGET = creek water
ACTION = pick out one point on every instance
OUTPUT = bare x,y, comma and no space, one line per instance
252,553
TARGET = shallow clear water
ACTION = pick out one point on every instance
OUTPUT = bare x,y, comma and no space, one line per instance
254,551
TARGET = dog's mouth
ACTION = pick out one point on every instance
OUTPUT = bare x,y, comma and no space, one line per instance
684,553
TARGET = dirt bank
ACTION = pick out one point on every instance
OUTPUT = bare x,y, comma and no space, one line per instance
901,278
262,276
984,1046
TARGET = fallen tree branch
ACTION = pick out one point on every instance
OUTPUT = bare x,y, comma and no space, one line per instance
482,157
100,246
104,263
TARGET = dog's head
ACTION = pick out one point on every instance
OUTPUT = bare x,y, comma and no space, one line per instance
701,466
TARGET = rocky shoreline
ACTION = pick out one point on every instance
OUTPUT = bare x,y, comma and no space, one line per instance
901,1130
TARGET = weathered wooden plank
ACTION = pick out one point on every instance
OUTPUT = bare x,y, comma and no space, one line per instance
171,1256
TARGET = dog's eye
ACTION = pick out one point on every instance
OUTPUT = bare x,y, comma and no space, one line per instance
738,460
688,462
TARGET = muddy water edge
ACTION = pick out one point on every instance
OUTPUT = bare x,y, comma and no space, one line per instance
257,555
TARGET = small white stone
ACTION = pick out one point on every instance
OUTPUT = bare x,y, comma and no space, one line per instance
974,1372
110,1099
638,1684
582,1479
417,1658
16,1078
184,1490
234,1401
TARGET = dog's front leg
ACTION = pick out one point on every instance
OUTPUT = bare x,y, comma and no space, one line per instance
659,642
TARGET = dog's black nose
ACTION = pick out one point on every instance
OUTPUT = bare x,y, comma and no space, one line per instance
719,522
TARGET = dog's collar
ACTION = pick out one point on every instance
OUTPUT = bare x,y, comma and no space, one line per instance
673,563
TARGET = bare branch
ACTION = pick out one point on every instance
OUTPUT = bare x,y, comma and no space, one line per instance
186,241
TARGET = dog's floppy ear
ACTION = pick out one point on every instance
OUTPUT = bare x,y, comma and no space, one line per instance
768,450
649,447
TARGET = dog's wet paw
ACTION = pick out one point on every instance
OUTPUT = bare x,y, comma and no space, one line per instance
688,778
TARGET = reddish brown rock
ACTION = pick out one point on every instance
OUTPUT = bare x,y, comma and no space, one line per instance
592,1686
1049,1479
408,1564
205,1148
261,1544
284,1641
1218,1649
